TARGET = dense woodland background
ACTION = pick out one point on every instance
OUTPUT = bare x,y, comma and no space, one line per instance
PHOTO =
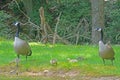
57,21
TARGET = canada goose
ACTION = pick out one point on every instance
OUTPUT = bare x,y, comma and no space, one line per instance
105,50
21,47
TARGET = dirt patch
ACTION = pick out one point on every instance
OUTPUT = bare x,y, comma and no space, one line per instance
52,73
71,75
106,78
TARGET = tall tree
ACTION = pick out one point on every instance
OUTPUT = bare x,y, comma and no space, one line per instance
28,7
97,18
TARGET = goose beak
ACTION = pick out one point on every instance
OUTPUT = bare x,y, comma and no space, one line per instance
96,29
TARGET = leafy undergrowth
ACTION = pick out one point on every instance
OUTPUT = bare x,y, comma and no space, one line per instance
88,62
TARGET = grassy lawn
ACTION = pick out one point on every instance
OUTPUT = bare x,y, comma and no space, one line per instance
90,64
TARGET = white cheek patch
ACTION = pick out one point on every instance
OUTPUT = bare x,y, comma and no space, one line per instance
16,23
99,29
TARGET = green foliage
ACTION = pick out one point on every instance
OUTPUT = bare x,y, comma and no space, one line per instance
112,21
72,12
3,26
15,7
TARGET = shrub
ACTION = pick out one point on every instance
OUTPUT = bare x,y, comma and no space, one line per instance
3,24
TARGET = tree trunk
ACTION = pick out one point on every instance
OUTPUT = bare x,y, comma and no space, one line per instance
28,7
97,18
44,30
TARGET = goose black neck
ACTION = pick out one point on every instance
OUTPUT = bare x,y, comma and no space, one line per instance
102,35
18,31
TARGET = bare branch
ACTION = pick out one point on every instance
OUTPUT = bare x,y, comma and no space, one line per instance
55,32
21,10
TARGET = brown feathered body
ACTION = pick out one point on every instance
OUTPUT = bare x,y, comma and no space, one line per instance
106,51
22,47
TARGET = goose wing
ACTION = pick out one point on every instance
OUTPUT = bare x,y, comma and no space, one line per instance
22,47
109,48
106,51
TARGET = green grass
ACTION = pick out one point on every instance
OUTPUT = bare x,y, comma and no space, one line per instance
92,64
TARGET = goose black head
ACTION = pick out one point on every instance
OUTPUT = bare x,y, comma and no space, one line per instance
17,24
101,32
98,29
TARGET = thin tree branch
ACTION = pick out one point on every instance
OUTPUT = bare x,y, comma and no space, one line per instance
55,32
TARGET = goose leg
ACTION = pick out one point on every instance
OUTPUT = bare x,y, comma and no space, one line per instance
26,58
112,62
17,61
26,66
103,61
